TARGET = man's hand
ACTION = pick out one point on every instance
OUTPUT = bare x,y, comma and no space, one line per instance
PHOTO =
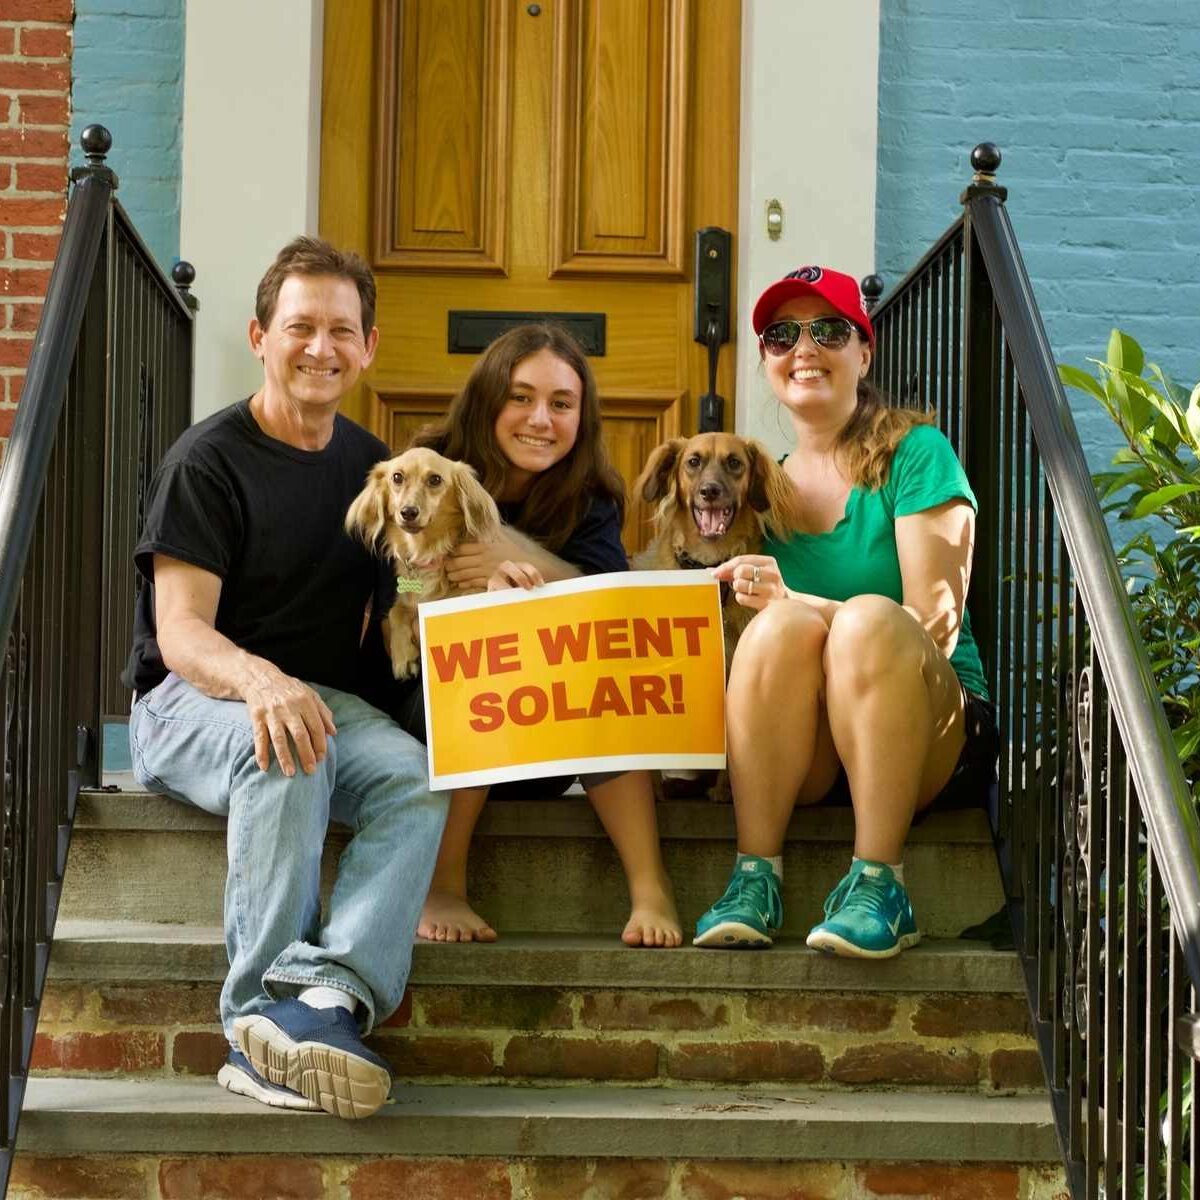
284,711
283,708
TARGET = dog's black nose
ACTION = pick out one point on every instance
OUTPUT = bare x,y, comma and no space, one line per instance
711,492
410,512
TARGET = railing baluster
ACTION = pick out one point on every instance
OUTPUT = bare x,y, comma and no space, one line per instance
1152,1025
1090,829
1114,801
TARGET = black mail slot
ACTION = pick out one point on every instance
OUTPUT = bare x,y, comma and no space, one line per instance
472,331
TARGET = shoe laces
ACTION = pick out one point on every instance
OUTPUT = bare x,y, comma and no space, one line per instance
863,892
756,890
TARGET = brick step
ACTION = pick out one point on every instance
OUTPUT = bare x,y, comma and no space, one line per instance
138,856
179,1117
552,1009
305,1176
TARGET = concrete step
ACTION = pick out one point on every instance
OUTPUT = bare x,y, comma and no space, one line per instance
178,1117
552,1009
536,866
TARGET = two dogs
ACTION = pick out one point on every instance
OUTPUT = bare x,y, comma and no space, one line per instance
715,496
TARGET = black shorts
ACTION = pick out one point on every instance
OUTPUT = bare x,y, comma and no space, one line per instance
974,773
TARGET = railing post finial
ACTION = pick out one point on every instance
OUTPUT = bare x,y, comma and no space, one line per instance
871,287
985,161
184,275
96,142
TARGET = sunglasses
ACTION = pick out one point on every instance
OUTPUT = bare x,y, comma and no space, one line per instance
830,332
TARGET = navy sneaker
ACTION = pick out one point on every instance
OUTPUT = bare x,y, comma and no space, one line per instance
239,1077
317,1052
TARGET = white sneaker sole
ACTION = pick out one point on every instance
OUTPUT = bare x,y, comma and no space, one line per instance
234,1080
733,935
341,1084
831,943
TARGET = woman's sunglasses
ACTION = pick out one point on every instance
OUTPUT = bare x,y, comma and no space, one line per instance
831,332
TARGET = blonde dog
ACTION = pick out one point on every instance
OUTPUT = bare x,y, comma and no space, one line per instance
414,510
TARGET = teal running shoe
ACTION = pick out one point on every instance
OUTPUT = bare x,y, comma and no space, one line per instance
868,915
749,913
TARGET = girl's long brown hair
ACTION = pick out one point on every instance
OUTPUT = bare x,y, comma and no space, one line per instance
559,497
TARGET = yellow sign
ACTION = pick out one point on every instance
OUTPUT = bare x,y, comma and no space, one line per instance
606,673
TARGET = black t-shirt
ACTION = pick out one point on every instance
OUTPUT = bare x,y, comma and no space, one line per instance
594,545
266,518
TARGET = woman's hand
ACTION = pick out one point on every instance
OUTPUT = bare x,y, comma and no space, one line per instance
755,578
473,564
515,574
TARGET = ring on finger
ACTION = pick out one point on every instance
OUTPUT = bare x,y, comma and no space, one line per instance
750,587
754,578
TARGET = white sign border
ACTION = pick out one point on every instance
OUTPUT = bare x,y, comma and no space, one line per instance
614,763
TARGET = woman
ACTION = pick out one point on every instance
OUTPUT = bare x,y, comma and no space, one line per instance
860,636
528,421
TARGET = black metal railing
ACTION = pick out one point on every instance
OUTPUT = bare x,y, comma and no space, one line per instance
108,386
1095,828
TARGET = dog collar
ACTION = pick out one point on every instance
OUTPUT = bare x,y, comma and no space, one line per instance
686,562
406,584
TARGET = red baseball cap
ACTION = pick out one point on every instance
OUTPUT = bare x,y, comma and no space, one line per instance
841,291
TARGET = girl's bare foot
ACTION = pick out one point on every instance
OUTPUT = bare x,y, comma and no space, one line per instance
653,921
447,917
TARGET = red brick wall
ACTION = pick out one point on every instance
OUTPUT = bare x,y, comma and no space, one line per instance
35,111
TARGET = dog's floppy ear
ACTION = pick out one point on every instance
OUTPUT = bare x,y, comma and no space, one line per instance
481,517
367,513
771,491
656,478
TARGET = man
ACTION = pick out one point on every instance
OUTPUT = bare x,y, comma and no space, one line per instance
245,664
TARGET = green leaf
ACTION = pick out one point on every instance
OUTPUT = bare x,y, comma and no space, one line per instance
1153,501
1124,354
1192,417
1074,377
1165,432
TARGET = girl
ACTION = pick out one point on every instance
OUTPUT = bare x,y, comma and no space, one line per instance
528,421
861,637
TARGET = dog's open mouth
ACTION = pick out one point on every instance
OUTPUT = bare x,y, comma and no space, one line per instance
713,522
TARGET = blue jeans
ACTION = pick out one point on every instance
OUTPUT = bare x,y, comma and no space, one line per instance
374,779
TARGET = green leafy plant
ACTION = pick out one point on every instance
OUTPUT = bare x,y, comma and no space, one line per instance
1157,475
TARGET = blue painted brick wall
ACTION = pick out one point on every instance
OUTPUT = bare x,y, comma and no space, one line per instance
1096,109
128,76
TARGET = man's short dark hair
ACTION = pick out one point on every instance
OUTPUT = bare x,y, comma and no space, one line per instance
315,256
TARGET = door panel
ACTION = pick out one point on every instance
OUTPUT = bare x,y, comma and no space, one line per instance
484,156
443,116
619,131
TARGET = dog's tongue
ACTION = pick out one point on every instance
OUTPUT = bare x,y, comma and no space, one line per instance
712,521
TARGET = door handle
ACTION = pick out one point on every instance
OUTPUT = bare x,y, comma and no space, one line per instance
714,251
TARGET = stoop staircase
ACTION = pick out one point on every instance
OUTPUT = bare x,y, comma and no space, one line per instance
556,1062
559,1064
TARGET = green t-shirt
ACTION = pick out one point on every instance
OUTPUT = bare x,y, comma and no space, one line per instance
858,555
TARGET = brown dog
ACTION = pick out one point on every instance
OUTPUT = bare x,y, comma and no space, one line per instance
414,510
717,494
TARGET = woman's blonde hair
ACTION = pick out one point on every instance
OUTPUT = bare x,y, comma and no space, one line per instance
865,446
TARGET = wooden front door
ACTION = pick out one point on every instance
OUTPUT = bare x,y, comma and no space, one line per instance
498,155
